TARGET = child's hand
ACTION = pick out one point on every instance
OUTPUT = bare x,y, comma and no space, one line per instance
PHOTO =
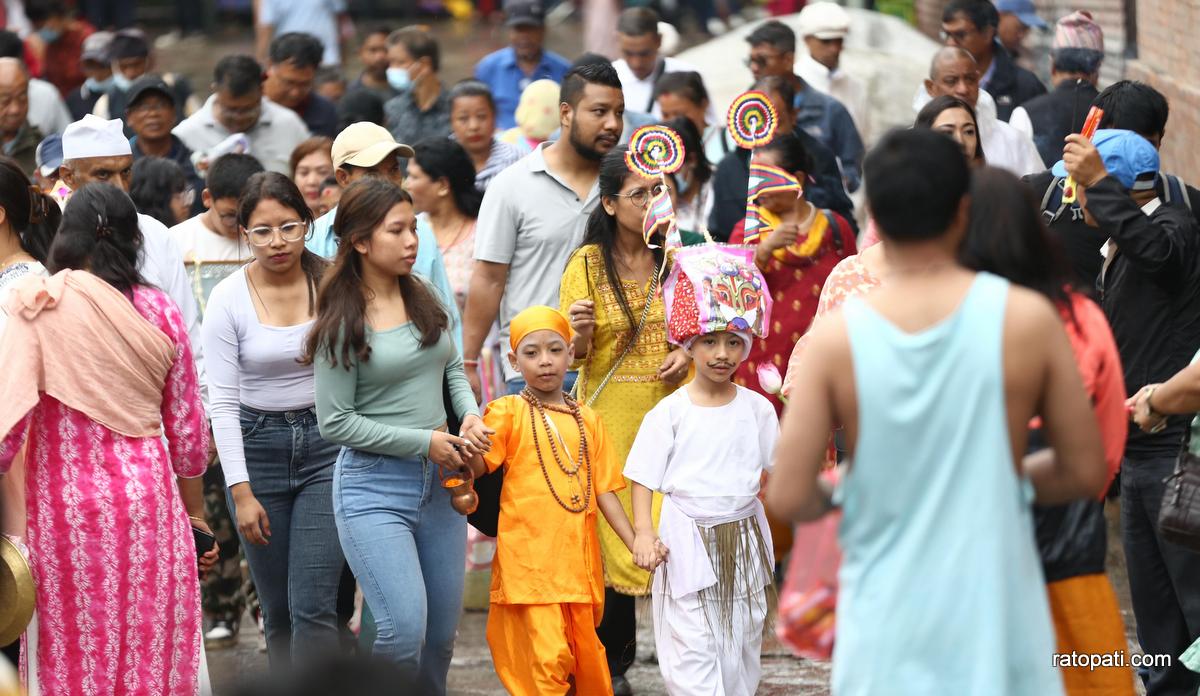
477,433
662,550
645,550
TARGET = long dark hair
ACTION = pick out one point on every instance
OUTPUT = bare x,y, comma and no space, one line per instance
602,228
793,156
339,331
444,158
930,112
693,145
155,181
1006,236
33,216
273,186
100,234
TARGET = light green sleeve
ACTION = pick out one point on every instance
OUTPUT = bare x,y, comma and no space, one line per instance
462,398
340,422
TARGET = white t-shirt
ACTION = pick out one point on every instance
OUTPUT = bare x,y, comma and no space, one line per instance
713,455
198,243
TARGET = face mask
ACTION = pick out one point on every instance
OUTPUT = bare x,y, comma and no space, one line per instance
120,81
96,86
49,35
399,79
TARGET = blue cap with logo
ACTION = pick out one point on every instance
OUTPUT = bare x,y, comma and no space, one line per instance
1127,156
1024,10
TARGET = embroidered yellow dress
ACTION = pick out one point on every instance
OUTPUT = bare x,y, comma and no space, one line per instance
633,390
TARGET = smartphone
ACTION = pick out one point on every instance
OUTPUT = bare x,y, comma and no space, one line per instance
204,541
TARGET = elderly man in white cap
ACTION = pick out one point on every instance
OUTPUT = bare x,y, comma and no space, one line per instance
823,27
364,150
96,151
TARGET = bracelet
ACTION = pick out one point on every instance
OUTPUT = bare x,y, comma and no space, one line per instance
470,363
197,519
1150,407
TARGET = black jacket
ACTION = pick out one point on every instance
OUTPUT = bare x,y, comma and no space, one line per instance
1080,243
1057,114
320,115
1011,85
733,176
1150,293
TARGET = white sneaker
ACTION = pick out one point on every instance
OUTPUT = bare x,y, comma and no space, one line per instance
262,636
222,635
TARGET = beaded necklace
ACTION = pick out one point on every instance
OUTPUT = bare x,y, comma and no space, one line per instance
538,409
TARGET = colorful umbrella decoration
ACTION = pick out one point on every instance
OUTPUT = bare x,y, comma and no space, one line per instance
655,151
765,178
752,120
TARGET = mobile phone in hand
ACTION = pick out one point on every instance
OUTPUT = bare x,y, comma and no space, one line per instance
204,541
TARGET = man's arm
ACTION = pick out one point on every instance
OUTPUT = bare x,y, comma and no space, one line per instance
848,144
1075,468
483,304
264,26
796,494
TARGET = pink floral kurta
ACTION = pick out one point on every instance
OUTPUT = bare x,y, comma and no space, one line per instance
111,547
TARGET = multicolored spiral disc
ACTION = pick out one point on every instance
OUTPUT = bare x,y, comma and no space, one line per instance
654,150
752,120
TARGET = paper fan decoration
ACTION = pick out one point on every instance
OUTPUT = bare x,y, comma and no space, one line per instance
752,120
654,150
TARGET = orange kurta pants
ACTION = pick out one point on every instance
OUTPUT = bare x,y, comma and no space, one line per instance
544,649
1087,619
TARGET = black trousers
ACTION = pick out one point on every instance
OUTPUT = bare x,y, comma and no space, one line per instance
618,631
1164,579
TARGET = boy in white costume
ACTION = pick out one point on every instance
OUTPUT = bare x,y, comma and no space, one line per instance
705,448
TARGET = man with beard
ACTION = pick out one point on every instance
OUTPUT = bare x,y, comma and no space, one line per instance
508,71
534,213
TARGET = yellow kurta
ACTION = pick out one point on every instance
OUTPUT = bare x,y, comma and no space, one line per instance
547,591
632,391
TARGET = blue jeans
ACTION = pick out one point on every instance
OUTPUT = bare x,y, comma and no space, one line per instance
407,547
516,384
297,572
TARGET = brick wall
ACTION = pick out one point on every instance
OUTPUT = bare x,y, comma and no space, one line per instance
1169,59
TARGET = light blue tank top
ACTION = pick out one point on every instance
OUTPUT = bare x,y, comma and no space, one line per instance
941,588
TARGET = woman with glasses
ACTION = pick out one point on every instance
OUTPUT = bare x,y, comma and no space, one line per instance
278,468
611,293
161,190
796,245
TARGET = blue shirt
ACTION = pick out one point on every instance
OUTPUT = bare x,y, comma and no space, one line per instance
500,72
429,265
827,120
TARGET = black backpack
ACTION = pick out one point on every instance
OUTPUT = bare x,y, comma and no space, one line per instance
1053,205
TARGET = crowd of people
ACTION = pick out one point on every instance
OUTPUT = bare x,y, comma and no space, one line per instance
285,325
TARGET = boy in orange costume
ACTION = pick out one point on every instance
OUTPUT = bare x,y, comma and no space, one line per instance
547,592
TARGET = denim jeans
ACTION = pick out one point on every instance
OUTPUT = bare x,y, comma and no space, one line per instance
407,547
297,572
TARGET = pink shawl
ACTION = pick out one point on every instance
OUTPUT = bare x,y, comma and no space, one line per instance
76,338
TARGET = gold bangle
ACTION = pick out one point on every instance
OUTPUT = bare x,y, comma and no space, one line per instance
197,519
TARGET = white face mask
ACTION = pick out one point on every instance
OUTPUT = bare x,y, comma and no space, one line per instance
120,81
399,79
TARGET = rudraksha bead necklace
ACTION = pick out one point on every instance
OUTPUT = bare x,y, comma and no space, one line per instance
537,411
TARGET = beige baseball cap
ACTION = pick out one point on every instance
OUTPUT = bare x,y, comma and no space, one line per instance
365,144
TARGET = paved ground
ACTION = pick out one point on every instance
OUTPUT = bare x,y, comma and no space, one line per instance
471,673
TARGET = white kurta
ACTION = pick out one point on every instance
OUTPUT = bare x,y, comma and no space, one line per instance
709,470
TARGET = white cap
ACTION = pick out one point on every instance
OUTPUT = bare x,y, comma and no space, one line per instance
824,20
92,136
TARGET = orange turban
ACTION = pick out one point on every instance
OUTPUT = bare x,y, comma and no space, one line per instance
538,318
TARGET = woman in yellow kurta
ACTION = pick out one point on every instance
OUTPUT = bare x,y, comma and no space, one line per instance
603,292
547,586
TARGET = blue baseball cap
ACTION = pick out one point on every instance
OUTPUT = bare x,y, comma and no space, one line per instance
49,155
1024,10
1127,156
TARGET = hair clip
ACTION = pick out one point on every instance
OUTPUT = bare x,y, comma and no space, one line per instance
102,229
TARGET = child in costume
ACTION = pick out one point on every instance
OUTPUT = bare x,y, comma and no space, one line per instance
547,593
705,448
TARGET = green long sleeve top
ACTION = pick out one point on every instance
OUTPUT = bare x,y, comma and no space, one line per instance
392,403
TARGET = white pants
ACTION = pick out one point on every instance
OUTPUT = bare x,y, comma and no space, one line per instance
694,660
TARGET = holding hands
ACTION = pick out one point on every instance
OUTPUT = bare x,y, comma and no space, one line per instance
648,551
1141,411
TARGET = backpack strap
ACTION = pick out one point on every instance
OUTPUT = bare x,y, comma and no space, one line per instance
838,243
1175,190
1056,184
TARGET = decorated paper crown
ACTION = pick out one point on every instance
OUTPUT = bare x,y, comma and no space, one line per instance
715,287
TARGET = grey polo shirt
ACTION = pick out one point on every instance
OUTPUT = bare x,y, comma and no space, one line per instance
531,220
278,131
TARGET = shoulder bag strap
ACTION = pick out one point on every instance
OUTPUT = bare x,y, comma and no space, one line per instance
637,332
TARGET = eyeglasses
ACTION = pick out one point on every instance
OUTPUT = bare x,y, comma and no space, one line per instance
265,234
641,197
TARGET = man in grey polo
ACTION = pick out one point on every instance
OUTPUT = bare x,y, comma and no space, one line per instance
534,213
237,106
